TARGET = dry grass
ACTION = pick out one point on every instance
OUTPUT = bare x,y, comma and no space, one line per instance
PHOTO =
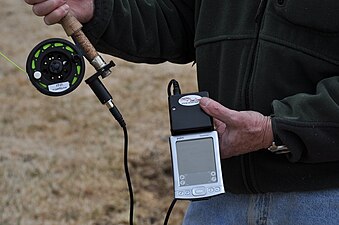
61,158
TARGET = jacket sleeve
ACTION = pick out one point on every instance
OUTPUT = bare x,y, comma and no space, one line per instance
147,31
309,123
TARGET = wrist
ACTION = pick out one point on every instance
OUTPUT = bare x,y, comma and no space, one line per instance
268,132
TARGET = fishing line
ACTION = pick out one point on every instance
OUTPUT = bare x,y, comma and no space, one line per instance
12,62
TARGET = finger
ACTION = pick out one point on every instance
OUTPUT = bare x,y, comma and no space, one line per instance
46,7
55,16
33,2
217,110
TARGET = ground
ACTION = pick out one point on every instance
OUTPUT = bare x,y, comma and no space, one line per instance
61,158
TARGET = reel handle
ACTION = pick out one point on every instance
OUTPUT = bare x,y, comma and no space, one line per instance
73,28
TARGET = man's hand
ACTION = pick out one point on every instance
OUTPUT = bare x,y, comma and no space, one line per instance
239,132
54,10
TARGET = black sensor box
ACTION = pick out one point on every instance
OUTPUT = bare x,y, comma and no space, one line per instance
186,116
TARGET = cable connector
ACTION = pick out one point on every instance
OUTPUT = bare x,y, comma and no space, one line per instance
103,94
176,88
115,112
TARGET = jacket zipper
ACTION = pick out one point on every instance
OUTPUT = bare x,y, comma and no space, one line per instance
246,159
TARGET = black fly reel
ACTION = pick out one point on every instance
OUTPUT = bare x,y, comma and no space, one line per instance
55,67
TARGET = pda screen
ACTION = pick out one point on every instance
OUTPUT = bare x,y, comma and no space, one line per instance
196,163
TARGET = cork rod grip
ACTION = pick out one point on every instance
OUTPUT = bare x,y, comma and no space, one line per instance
72,28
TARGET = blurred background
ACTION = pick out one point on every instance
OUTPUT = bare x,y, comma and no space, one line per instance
61,158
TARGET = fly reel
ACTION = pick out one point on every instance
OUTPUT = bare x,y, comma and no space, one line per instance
55,67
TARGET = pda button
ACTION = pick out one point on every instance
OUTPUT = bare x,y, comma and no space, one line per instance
199,191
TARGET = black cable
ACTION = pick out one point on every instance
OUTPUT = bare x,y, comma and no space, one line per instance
117,115
168,214
119,118
176,91
128,178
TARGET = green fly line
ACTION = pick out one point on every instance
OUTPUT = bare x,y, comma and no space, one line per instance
11,62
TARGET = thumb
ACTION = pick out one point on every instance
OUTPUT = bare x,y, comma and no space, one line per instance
216,110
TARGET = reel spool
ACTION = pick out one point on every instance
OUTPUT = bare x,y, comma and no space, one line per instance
55,67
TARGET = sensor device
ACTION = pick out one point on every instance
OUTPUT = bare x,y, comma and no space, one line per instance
194,146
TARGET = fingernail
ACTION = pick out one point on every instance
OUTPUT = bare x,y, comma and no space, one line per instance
46,21
204,101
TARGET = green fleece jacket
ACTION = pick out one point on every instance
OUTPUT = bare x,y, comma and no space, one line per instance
277,57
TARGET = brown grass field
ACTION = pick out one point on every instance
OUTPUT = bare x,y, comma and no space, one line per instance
61,158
